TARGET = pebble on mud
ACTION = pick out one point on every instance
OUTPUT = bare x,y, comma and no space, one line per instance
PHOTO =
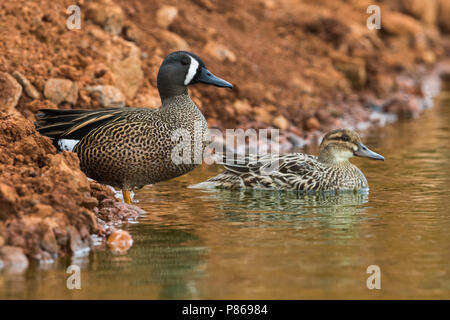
400,24
61,90
124,62
13,258
29,89
312,124
172,41
219,51
281,122
132,33
107,14
443,17
10,92
262,115
425,10
108,96
8,199
120,241
165,15
242,107
354,69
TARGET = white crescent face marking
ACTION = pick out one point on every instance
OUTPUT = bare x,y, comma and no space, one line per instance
67,144
192,71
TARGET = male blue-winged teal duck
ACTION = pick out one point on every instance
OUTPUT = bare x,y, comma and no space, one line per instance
131,147
331,170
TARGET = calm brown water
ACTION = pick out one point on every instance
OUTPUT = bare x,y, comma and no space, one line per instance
212,244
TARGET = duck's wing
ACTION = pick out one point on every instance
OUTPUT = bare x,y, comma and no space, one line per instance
288,171
244,164
67,127
299,164
295,163
74,124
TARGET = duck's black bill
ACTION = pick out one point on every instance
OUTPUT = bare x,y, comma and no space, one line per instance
208,78
365,152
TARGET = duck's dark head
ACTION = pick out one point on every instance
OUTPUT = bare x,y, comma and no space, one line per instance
342,144
181,69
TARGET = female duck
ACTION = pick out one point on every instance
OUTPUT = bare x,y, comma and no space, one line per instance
132,147
331,170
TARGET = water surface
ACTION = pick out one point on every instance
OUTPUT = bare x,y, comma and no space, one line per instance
218,244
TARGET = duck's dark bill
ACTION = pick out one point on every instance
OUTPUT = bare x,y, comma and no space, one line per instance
365,152
208,78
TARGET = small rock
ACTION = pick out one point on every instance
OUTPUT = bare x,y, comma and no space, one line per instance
120,241
219,51
298,83
385,83
67,72
173,41
29,89
49,243
165,15
400,24
403,106
242,107
90,203
124,62
60,90
77,244
108,96
43,210
93,223
354,69
443,16
107,14
268,4
312,124
8,199
13,258
262,115
107,203
428,57
281,122
132,33
425,10
324,116
62,164
10,92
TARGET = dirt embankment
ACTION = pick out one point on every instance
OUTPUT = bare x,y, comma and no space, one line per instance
300,67
48,207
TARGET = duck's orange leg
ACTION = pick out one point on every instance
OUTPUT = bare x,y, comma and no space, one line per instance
126,196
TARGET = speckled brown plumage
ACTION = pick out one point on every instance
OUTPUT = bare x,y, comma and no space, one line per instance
297,171
135,148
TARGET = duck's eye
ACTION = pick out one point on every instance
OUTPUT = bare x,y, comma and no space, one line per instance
184,61
345,138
